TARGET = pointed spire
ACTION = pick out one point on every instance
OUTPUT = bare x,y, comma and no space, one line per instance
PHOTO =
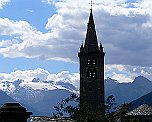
91,43
91,15
91,20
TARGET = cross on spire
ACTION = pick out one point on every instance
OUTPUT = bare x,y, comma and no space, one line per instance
91,4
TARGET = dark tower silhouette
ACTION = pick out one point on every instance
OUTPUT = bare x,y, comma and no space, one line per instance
92,69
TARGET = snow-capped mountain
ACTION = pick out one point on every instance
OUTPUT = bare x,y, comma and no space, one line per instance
43,95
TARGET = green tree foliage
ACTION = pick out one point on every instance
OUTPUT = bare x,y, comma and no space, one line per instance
71,107
124,108
110,105
65,107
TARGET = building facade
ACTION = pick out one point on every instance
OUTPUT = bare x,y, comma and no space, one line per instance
143,113
13,112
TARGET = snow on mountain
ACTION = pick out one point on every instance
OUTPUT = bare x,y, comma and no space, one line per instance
33,89
31,82
41,95
36,87
42,90
36,78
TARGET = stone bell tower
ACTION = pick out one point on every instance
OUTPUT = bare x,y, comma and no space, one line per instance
91,57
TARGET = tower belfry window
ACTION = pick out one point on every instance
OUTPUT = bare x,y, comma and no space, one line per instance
94,61
91,73
94,73
91,61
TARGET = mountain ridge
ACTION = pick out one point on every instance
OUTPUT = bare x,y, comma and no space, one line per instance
146,99
38,92
127,92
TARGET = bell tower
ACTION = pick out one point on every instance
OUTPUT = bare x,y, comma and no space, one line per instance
91,58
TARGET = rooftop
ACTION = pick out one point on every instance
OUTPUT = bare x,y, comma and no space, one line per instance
50,119
141,110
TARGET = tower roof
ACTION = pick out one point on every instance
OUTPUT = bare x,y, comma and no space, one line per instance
91,44
91,20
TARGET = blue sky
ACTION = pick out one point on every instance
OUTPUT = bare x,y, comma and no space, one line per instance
36,13
47,34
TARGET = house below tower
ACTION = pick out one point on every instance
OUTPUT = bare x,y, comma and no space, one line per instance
13,112
143,113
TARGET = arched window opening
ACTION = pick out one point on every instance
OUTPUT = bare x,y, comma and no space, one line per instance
94,61
91,73
89,61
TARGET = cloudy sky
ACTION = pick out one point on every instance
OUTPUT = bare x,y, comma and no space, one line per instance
41,38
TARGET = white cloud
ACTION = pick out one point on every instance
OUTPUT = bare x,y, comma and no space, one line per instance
6,43
121,28
127,73
33,43
66,76
47,1
121,73
27,76
37,79
9,27
3,3
42,75
29,10
122,78
147,4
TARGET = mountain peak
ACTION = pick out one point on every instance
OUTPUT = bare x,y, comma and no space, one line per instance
140,79
110,83
36,80
110,80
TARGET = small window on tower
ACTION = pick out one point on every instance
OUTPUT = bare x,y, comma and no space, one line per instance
89,61
94,73
91,73
94,61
